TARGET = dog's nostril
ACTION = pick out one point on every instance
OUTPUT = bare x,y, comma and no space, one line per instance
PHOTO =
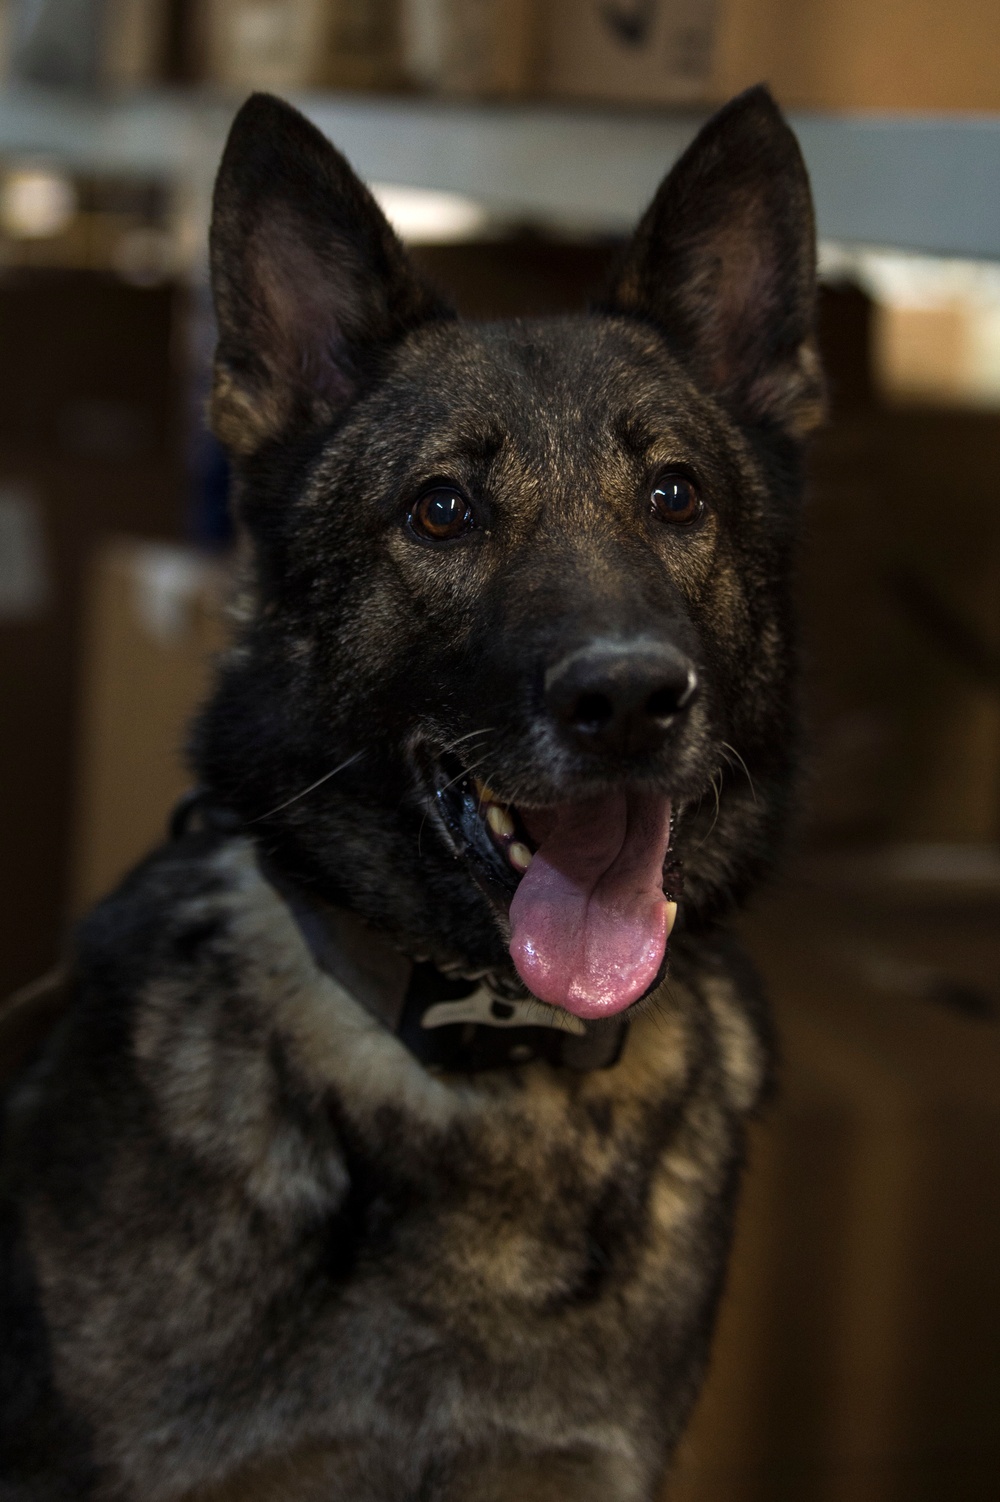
671,697
591,711
662,703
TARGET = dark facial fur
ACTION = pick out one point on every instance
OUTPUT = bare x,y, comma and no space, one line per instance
346,389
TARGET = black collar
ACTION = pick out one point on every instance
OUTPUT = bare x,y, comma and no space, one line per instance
450,1023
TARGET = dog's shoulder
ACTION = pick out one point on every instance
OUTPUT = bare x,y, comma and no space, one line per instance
175,1039
158,925
161,1156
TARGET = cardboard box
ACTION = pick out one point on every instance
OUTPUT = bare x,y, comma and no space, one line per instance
265,44
858,1346
153,621
815,54
658,52
904,725
135,42
869,54
90,445
285,45
121,43
363,44
946,353
471,47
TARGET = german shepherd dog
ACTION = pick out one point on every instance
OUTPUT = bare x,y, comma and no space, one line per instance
378,1156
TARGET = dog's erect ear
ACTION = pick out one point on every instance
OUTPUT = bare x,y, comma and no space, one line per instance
310,282
724,262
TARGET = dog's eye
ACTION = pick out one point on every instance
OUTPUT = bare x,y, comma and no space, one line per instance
441,514
675,499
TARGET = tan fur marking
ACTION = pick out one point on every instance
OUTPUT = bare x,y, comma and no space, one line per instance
739,1047
243,421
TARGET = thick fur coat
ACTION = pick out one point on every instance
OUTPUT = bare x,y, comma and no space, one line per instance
251,1246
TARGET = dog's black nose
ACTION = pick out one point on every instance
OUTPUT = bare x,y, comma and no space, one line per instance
620,696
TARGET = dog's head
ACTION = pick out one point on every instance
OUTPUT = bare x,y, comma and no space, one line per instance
526,584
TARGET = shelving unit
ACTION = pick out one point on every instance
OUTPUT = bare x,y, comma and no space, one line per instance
927,183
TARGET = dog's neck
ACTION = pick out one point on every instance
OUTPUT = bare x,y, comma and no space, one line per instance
449,1021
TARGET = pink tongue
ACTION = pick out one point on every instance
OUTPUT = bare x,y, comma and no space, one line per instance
589,919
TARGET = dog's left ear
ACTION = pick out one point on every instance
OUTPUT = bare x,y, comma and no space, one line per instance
311,285
724,262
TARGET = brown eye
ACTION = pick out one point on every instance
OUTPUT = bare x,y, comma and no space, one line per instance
441,514
676,499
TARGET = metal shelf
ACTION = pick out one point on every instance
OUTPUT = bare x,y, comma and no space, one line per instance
926,183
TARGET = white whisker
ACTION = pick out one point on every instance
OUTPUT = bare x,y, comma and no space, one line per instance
470,735
726,746
310,789
715,817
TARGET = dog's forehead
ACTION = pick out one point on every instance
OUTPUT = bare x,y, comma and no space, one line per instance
541,384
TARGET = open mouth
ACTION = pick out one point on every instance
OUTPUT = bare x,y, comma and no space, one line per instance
590,885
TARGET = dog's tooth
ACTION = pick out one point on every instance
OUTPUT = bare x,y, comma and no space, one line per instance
484,792
519,856
499,821
671,915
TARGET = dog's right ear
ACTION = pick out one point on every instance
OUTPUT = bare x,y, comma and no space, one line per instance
724,262
311,284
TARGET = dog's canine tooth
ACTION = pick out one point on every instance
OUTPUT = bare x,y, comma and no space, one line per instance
519,856
499,821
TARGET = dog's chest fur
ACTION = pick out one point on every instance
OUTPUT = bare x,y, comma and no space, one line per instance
321,1247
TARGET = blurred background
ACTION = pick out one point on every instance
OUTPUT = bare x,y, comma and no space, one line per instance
513,142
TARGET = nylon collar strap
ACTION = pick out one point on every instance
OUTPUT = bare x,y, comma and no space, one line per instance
447,1022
